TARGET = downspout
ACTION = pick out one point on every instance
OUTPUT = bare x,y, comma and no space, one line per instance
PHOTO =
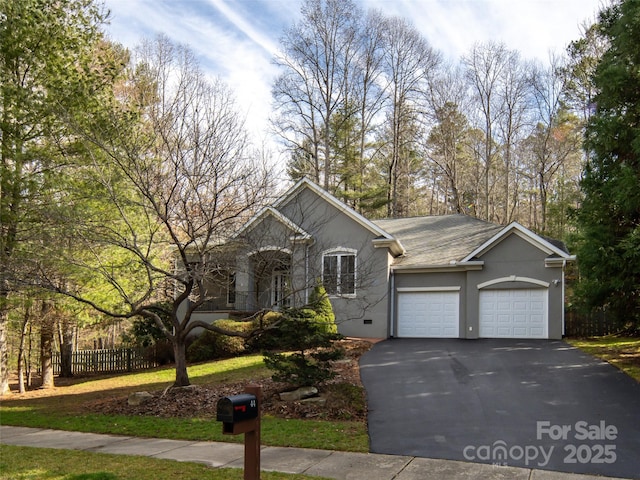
564,264
392,298
306,274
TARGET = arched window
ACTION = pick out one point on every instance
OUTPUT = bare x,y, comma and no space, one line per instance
339,271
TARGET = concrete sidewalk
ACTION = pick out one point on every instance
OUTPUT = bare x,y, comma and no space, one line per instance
321,463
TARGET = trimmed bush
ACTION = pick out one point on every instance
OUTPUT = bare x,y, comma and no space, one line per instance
212,345
310,332
320,303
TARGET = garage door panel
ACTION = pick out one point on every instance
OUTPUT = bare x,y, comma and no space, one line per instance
513,313
428,314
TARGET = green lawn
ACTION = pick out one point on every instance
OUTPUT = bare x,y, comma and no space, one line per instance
622,352
65,408
26,463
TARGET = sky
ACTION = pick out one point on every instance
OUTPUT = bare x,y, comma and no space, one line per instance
236,40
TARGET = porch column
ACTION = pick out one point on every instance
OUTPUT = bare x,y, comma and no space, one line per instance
244,284
300,281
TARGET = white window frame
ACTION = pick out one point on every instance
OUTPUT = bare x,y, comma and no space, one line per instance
232,293
281,288
339,253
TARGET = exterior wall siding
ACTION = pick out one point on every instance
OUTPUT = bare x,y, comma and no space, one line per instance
366,313
514,256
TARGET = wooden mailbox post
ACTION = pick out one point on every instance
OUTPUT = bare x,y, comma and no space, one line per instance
241,414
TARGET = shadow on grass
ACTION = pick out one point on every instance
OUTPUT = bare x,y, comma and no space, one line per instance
73,393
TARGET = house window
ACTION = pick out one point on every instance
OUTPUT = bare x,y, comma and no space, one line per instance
280,288
231,289
339,273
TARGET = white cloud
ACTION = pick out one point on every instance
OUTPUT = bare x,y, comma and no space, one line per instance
236,40
260,39
533,27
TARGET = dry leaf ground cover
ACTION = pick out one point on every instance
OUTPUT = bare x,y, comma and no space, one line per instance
345,396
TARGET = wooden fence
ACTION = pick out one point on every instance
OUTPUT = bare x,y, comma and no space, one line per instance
107,361
594,324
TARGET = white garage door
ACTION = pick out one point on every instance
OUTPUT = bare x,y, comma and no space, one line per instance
513,313
428,314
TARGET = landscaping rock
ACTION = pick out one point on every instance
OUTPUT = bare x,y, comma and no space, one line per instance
138,398
318,401
299,394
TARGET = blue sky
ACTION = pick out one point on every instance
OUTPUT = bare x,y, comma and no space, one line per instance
236,39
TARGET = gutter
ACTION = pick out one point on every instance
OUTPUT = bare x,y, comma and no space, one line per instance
453,266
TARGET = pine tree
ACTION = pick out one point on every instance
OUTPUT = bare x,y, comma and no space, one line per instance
609,218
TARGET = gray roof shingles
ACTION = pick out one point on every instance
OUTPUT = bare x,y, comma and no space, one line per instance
438,240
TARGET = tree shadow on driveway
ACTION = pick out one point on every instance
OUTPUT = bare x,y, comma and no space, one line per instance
539,404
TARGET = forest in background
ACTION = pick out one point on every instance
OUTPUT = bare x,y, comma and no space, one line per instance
367,109
115,163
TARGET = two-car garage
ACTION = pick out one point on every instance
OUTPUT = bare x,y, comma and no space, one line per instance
469,280
506,313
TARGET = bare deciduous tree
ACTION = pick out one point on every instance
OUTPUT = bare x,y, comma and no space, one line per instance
408,62
448,143
172,182
556,138
485,66
317,62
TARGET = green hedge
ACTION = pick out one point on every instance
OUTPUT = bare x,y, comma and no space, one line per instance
212,345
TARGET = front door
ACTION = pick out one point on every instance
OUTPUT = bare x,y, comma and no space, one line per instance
280,289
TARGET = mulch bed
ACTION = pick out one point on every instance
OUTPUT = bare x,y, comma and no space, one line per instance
344,393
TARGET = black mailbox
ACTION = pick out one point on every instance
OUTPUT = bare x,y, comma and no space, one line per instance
237,408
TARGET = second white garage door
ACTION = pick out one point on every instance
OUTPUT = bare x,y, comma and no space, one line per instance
428,314
513,313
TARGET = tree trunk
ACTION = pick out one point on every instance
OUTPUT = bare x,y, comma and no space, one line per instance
66,348
4,353
4,350
47,334
29,365
180,353
23,337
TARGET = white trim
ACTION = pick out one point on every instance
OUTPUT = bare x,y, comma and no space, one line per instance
335,250
445,267
428,289
393,243
271,248
512,278
301,234
339,252
524,233
558,262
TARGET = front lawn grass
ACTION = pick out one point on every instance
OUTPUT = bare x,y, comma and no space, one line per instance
65,409
27,463
324,435
622,352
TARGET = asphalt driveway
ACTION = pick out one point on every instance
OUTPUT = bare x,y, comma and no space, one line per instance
532,403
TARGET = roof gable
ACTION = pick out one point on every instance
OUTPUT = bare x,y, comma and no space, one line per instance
524,233
384,239
298,232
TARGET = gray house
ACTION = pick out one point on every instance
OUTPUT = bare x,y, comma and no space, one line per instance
449,276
